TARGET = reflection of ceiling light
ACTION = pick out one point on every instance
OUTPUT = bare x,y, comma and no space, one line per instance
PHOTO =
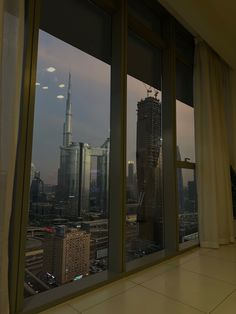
60,96
51,69
61,85
45,87
37,84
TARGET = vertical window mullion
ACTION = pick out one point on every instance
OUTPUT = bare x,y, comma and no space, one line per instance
118,140
169,138
19,218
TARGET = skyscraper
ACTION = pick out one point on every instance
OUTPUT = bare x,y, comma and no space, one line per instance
131,183
149,169
180,183
70,156
74,173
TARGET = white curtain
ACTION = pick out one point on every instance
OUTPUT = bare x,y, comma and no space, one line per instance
11,61
211,96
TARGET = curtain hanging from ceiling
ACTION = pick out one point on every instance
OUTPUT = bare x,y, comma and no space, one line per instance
211,91
11,61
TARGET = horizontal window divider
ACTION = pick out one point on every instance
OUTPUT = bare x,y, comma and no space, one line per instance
145,33
185,164
188,245
146,261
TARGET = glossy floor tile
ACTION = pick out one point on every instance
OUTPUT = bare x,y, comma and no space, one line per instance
99,295
198,281
227,253
213,267
190,288
228,306
60,309
150,273
140,300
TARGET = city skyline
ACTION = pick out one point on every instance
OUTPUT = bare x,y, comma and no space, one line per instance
90,98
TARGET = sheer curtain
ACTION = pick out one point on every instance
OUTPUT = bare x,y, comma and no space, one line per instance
11,60
211,96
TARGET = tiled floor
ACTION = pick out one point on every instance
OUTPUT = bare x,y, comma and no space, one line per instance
200,281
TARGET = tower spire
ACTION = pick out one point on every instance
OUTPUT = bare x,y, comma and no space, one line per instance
67,129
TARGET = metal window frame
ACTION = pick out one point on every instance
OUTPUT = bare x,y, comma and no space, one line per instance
191,243
118,268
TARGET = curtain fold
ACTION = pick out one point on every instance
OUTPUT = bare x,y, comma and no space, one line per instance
11,62
211,91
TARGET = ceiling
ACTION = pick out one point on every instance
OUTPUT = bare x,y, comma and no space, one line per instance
212,20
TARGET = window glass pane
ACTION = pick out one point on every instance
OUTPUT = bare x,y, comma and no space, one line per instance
184,83
184,43
144,216
149,70
185,132
80,23
188,214
67,234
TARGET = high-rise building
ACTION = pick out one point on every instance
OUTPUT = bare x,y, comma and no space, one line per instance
130,180
70,160
149,169
103,161
180,183
67,254
74,173
131,183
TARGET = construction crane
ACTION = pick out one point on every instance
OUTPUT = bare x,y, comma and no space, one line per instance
148,89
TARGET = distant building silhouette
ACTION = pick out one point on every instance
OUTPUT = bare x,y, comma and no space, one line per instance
131,183
180,183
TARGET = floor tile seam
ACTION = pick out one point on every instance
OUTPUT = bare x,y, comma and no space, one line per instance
221,258
182,263
79,312
217,279
225,299
215,257
100,302
154,276
173,299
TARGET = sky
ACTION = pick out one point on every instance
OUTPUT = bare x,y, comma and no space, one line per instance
90,98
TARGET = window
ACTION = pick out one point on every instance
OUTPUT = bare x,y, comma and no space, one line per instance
188,215
185,150
69,187
101,197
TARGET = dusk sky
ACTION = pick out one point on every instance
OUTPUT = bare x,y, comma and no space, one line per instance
90,98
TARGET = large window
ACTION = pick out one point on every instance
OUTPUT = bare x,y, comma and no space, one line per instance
67,232
144,208
105,174
185,141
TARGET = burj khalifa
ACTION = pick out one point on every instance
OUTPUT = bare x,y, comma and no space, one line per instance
74,173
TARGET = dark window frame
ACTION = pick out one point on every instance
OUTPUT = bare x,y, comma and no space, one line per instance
121,22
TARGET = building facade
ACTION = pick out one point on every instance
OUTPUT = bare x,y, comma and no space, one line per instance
67,254
149,170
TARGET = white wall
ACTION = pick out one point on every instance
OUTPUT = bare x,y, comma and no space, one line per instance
213,20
